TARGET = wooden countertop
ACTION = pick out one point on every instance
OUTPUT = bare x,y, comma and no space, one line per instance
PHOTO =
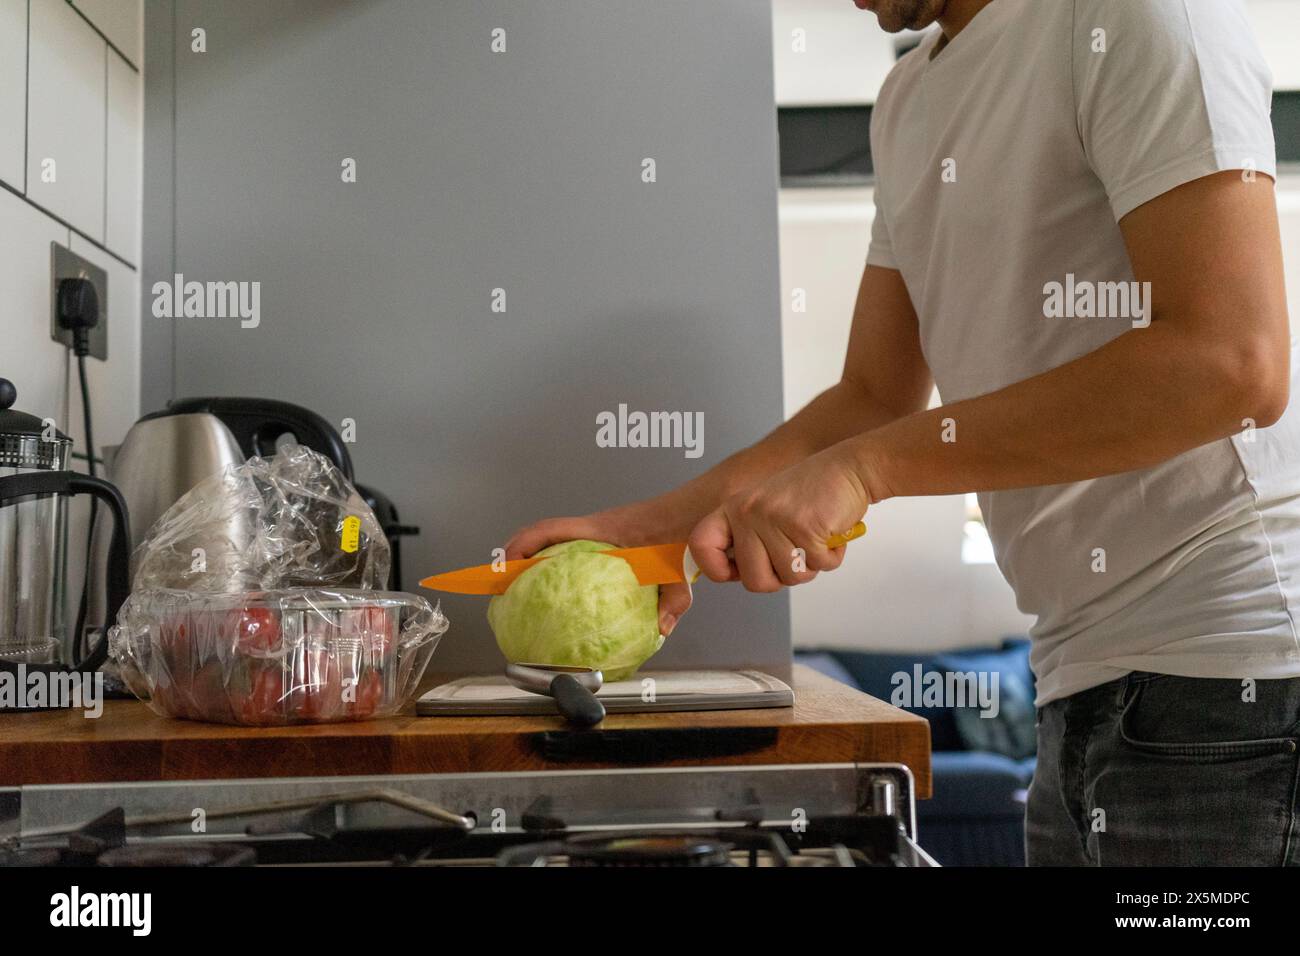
829,723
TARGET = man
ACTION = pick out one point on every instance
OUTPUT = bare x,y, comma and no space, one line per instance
1076,237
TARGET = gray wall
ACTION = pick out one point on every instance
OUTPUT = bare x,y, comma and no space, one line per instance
478,170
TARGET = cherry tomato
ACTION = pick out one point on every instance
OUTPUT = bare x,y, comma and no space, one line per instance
174,643
261,701
257,630
164,698
379,628
369,695
317,688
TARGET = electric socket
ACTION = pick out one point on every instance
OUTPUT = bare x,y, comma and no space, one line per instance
66,264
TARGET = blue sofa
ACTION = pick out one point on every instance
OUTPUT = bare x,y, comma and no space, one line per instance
981,765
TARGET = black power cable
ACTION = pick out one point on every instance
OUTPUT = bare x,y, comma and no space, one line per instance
78,311
79,635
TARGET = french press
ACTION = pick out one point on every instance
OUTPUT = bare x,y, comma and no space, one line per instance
35,487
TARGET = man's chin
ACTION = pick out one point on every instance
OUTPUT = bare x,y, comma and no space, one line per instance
892,20
888,22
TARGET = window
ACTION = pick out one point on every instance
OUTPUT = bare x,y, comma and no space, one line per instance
976,548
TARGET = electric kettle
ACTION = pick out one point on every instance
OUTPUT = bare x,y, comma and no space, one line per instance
35,487
168,452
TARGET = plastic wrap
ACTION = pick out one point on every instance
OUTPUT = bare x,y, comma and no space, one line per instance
255,601
276,657
289,521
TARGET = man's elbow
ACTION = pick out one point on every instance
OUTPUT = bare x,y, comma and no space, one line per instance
1260,384
1270,404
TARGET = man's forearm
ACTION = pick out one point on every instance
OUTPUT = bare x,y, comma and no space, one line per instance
1143,398
840,412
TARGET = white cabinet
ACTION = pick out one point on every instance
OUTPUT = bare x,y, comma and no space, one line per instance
13,90
122,160
121,21
65,110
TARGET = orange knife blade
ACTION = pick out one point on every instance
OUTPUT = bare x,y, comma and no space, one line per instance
481,579
652,564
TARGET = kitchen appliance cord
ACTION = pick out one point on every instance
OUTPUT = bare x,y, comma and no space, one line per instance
79,635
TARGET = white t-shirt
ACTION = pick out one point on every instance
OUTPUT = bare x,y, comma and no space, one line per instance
1053,119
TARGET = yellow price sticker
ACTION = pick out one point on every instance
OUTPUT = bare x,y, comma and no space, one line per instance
351,538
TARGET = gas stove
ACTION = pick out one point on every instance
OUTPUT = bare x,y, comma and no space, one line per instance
820,815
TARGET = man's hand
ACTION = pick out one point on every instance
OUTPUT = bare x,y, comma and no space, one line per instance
627,527
885,378
777,531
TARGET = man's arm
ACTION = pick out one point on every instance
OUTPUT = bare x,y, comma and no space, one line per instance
1215,358
885,377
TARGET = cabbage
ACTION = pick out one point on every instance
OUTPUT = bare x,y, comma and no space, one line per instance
580,608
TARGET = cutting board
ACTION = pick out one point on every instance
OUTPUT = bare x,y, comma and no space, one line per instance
646,692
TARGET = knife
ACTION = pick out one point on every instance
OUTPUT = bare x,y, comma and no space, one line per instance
652,564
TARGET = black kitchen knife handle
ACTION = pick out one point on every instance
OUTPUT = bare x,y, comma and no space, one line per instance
578,705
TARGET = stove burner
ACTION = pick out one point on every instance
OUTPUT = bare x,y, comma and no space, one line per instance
177,854
653,850
43,857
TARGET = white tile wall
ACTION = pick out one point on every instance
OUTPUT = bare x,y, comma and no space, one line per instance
13,90
34,363
65,116
123,159
119,20
83,109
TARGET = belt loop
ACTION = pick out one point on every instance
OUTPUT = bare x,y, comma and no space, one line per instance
1127,683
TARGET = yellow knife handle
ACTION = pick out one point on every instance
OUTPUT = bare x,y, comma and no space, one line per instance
840,540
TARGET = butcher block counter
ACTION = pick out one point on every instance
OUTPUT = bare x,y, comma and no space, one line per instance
829,723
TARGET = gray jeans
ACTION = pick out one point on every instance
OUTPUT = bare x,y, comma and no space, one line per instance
1155,770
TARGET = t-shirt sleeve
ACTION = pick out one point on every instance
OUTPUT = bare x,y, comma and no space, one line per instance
881,251
1169,91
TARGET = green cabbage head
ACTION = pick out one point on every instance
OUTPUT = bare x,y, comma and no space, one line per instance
581,608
